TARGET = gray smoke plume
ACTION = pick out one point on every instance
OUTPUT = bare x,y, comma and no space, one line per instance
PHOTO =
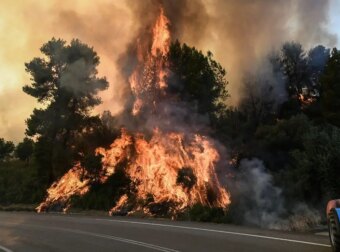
240,33
312,20
262,204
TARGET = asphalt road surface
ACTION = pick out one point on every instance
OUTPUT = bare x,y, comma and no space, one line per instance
51,232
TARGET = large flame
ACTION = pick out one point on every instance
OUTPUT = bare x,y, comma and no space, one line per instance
148,79
77,181
59,193
155,165
155,168
161,36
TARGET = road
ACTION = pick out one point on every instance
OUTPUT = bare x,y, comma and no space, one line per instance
52,232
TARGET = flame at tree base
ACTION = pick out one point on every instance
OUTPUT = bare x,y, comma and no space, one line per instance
169,169
60,192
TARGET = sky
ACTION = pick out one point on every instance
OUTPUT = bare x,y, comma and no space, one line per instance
109,26
334,24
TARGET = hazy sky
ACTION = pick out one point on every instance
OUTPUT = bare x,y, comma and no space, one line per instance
107,25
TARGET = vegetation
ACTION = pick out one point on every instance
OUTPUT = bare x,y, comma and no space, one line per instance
24,150
294,130
65,81
103,196
20,183
6,149
197,79
330,82
206,214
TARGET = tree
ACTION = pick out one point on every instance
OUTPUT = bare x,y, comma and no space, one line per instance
197,79
65,82
258,104
294,65
316,60
330,84
6,149
315,167
24,150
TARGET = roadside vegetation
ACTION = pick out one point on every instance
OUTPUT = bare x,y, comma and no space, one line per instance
289,119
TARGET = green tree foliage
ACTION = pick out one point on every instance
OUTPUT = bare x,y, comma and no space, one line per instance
264,99
317,58
202,213
6,149
274,143
294,65
258,104
197,79
65,82
284,135
24,150
315,168
330,83
20,184
298,148
301,70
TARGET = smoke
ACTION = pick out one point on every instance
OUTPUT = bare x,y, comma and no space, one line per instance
106,26
238,32
263,90
12,118
261,201
242,33
262,204
312,19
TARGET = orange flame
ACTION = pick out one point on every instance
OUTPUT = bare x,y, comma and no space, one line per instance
156,165
77,182
60,191
161,36
153,165
151,72
154,168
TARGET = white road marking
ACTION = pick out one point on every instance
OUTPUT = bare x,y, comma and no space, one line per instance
220,231
115,238
5,249
143,244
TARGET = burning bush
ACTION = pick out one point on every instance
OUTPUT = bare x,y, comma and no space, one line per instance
186,178
102,196
165,155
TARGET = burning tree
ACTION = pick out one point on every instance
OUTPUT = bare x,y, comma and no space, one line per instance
172,100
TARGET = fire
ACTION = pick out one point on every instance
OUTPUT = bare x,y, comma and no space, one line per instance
305,101
148,79
77,181
159,161
69,185
161,36
174,168
156,165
